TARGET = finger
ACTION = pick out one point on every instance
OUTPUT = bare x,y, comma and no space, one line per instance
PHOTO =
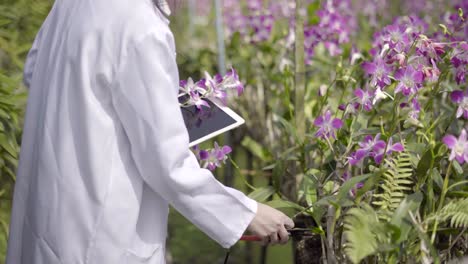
283,235
289,223
274,238
265,241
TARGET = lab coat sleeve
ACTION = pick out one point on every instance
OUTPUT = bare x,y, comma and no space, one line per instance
145,99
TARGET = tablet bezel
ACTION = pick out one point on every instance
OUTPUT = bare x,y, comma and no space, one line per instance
238,122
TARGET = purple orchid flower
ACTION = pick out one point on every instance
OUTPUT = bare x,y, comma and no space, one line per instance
335,26
461,98
379,71
379,150
431,74
353,159
254,5
327,125
396,36
460,55
460,61
367,147
214,158
214,88
410,80
460,74
196,100
262,26
428,48
416,109
189,86
415,26
397,55
365,98
231,81
350,108
458,146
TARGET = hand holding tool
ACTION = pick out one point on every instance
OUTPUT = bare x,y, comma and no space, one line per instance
295,232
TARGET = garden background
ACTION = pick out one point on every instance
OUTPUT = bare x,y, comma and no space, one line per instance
356,117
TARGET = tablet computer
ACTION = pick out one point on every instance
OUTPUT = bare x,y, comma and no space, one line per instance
208,122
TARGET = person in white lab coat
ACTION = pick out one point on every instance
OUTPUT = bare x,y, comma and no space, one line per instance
104,147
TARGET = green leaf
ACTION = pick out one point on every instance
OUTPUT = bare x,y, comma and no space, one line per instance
269,167
460,194
311,196
290,128
256,149
349,184
317,230
262,194
278,172
401,218
312,9
457,184
423,166
328,187
7,145
367,131
437,178
4,22
278,204
457,167
417,148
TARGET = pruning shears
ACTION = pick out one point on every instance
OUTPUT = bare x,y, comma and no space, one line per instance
295,233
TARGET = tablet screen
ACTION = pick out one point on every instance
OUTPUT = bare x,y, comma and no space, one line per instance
201,123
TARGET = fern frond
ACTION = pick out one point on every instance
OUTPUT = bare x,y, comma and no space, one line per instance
360,240
455,212
396,184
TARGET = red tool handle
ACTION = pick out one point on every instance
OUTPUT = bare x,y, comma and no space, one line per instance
250,238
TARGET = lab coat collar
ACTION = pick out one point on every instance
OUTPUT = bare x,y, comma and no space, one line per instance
163,7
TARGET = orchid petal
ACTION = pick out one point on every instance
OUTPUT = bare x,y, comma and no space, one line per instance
418,77
450,141
318,121
359,93
378,158
227,150
398,147
369,67
337,123
360,154
457,96
380,144
204,155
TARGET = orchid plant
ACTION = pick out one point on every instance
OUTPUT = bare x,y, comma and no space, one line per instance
215,88
359,125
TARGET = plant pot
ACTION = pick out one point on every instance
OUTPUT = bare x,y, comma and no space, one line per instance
307,249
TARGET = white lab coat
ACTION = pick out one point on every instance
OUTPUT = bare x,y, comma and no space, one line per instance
104,148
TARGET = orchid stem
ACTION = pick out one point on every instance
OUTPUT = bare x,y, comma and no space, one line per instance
442,198
234,164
